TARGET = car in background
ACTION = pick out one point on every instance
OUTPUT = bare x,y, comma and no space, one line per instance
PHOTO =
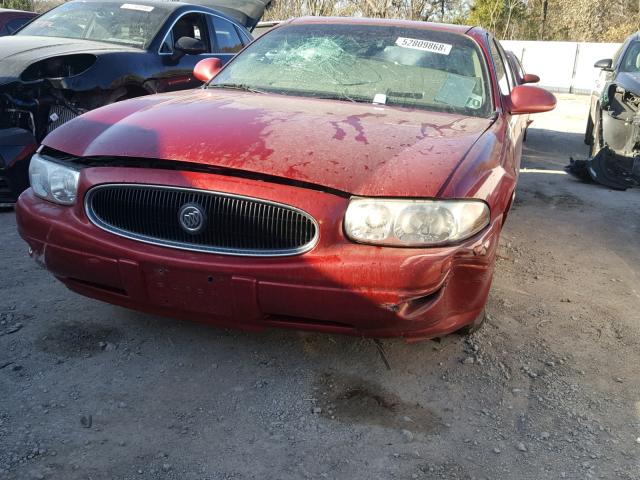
12,20
85,54
613,124
521,76
340,175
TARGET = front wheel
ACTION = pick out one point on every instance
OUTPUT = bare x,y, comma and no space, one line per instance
475,325
588,134
596,136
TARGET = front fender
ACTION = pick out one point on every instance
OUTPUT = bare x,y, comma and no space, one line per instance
110,71
487,172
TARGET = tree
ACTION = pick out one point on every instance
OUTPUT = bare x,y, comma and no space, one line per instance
17,4
576,20
426,10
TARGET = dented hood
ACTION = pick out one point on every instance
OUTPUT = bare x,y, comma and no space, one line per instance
18,52
630,81
361,149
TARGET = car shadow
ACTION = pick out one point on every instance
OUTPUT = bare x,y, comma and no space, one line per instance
552,149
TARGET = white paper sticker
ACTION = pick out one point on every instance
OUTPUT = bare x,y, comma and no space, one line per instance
140,8
380,99
424,45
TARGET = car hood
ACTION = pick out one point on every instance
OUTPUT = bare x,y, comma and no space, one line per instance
361,149
246,12
17,52
630,81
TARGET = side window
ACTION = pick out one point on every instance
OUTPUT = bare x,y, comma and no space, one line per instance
618,54
501,71
631,60
13,25
192,25
519,68
510,73
227,38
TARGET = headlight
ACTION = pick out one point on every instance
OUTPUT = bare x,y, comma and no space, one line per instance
414,223
53,181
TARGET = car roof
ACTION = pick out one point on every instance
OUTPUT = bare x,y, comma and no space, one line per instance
244,12
166,4
460,29
11,10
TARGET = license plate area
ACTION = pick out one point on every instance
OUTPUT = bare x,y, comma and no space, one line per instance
189,290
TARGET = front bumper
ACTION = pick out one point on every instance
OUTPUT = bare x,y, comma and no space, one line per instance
338,287
16,147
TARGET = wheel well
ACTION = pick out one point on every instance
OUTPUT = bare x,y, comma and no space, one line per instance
509,205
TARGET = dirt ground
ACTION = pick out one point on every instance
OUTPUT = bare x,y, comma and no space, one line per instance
549,389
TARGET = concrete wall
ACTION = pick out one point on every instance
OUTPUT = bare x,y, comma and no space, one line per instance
562,66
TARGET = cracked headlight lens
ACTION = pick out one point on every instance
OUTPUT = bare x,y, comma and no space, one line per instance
414,223
53,181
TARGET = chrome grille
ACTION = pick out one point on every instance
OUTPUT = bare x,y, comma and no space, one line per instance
233,224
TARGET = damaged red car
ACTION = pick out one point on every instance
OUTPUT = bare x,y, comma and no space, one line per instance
339,175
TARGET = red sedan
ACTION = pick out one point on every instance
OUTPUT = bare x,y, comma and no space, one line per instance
339,175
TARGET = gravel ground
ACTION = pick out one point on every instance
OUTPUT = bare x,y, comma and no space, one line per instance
548,389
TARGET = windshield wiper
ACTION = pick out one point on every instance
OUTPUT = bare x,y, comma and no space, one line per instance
236,86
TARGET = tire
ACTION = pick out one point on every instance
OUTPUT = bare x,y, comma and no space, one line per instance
588,134
596,136
475,325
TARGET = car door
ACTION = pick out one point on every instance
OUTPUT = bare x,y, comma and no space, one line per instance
177,69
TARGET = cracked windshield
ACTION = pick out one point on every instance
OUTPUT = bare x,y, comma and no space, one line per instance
385,65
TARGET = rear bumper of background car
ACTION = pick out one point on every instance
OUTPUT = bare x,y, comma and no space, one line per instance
338,287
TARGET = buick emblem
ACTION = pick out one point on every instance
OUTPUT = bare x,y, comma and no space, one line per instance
192,218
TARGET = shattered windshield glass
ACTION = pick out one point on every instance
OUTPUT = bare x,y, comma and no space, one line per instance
407,67
114,22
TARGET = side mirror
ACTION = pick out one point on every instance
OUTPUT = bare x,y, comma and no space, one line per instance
528,99
604,64
530,78
206,69
188,46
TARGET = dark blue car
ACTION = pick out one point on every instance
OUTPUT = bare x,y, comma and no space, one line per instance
85,54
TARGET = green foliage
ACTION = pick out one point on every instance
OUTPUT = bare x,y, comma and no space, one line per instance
488,13
572,20
17,4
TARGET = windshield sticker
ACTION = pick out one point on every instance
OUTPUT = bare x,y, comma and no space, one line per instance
140,8
424,45
380,99
474,101
456,90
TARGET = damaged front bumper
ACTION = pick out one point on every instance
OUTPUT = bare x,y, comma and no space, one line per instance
609,169
27,114
337,287
16,147
38,110
616,161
